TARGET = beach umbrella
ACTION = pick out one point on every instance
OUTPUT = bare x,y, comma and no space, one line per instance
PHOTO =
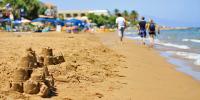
40,20
37,23
57,21
16,22
51,20
75,22
6,20
25,21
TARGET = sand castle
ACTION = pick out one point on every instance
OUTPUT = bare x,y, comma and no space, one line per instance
33,76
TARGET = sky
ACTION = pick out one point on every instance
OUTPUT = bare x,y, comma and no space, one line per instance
164,12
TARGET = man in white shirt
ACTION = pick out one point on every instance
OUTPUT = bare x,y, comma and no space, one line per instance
121,22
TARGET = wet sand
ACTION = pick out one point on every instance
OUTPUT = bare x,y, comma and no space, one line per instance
97,67
148,75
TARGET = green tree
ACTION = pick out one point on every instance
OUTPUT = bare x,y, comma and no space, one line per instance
134,15
42,9
1,3
15,5
102,20
111,21
32,7
116,11
93,17
125,13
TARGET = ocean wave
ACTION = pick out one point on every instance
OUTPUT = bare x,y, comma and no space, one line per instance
127,33
191,40
157,41
187,55
173,45
134,38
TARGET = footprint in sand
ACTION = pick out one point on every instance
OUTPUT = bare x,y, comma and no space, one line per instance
99,95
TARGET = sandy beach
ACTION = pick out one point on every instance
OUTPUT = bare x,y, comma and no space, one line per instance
97,67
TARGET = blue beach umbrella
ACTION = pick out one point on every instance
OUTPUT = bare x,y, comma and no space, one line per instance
39,20
5,20
51,20
57,21
17,22
75,22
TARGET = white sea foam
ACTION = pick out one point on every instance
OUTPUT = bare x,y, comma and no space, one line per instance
157,41
185,40
127,33
134,38
187,55
197,62
173,45
191,40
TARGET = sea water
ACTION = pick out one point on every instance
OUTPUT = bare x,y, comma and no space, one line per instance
180,47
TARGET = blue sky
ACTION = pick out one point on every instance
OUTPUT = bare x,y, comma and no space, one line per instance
165,12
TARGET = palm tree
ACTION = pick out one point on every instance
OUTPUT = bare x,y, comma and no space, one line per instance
116,11
125,13
134,15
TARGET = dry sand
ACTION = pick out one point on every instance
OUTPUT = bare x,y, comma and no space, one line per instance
97,67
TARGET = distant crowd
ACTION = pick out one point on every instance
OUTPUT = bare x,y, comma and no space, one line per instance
44,25
10,22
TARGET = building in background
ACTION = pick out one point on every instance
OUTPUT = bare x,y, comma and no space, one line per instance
68,14
51,10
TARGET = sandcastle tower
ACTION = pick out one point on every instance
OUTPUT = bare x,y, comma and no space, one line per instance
50,59
39,82
33,76
29,61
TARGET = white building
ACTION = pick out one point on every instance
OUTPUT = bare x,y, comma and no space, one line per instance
67,14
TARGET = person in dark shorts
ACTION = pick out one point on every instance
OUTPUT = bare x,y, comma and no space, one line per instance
142,29
121,23
152,27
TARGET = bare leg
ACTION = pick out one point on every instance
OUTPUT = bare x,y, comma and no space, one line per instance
143,40
151,41
122,34
71,30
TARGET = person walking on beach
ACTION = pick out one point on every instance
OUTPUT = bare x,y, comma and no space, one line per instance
121,23
152,27
142,29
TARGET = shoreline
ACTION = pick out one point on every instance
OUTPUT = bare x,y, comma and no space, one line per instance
173,54
181,66
164,81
